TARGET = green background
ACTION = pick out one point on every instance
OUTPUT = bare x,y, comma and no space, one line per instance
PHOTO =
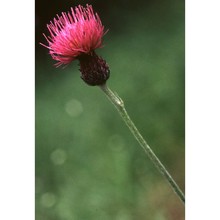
88,165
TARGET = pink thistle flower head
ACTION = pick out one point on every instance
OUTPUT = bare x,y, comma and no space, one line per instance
75,35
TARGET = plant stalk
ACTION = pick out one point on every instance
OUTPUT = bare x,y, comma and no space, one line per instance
119,104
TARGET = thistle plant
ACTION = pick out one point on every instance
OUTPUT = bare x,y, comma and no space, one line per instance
74,36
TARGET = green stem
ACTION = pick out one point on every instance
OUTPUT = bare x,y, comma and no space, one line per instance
119,104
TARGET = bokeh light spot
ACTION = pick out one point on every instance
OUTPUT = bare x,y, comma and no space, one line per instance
74,108
48,200
58,157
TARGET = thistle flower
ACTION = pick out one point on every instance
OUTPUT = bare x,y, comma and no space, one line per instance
76,35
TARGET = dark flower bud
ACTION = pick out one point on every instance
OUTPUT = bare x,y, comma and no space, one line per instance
94,70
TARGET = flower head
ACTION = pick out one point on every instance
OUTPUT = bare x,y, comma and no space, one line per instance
74,34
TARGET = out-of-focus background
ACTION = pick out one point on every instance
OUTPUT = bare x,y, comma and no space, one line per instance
88,165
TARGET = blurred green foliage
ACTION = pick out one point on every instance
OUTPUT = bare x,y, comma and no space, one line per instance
88,165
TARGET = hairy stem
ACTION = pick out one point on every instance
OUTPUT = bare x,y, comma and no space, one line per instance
119,104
